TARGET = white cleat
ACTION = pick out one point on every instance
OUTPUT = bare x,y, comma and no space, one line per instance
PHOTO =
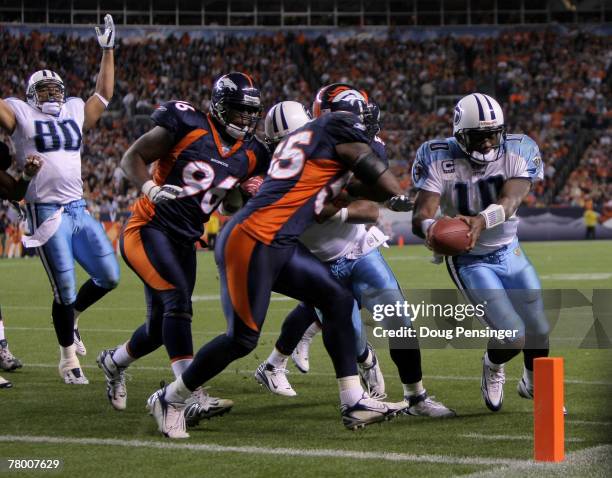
526,391
300,355
116,391
169,416
274,379
8,361
492,386
79,346
70,370
4,383
372,378
202,406
367,411
425,406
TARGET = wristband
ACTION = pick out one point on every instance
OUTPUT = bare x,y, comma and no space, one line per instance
494,215
426,224
341,215
102,99
147,186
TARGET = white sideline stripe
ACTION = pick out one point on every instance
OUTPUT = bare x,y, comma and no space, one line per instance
482,436
314,374
120,331
577,463
587,422
297,452
579,276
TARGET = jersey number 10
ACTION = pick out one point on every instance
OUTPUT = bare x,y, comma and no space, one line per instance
489,189
56,135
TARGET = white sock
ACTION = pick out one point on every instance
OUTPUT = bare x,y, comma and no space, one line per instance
528,378
491,365
311,331
76,318
2,337
277,359
179,366
351,390
177,391
122,357
68,353
413,389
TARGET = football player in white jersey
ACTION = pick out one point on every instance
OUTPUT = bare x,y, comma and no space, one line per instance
352,252
481,175
51,126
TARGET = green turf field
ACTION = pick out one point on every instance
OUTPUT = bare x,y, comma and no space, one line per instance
301,436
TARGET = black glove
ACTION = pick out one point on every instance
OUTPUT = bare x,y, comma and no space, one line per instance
400,203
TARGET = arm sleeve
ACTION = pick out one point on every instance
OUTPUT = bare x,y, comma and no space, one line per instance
344,127
168,116
424,173
527,161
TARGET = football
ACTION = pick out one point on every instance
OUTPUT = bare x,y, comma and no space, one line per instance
449,236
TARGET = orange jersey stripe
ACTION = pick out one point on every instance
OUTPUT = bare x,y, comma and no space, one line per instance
264,223
164,165
139,261
238,251
252,160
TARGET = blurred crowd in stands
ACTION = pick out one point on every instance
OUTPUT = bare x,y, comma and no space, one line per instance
553,86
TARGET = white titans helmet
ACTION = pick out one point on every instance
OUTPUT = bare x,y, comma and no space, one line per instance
284,118
38,79
477,118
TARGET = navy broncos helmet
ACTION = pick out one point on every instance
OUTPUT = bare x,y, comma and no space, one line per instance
236,104
344,97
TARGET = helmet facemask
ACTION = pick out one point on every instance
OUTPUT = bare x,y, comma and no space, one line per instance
482,145
238,119
47,95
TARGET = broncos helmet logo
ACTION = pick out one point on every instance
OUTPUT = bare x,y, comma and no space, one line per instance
227,83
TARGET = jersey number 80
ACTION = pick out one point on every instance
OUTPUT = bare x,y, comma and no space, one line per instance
48,138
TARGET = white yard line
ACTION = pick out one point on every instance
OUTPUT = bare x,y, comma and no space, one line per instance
589,423
484,436
293,452
314,374
577,463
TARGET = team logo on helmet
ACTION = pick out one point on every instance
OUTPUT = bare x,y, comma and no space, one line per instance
350,96
227,83
458,113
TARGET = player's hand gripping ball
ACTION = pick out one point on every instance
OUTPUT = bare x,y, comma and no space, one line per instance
449,236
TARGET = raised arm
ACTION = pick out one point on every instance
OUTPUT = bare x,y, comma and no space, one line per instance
97,103
8,121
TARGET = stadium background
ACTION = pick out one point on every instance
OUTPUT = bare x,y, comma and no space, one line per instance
549,64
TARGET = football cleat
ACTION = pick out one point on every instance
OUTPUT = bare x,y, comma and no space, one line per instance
526,391
72,373
368,410
372,377
4,383
300,355
8,361
425,406
492,386
116,390
169,416
79,346
202,406
274,379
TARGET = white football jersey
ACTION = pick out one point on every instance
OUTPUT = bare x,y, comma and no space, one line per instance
332,239
57,140
466,188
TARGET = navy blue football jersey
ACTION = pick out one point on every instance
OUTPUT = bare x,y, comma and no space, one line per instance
305,173
201,165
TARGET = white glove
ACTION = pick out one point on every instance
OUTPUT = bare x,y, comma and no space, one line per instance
106,39
158,194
